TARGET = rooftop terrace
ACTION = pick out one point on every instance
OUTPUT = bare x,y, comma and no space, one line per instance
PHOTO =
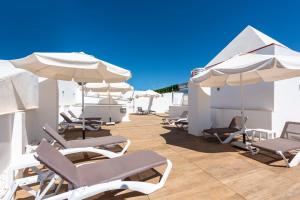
202,168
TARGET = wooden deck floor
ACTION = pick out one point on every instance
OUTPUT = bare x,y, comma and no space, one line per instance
202,169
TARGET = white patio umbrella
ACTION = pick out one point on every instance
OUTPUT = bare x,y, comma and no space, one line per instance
77,66
109,88
19,89
249,68
148,93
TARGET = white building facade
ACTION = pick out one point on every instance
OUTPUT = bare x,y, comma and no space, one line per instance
267,105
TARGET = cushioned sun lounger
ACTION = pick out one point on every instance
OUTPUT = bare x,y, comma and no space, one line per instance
233,129
182,123
80,118
141,111
287,142
172,121
93,178
94,145
89,145
92,125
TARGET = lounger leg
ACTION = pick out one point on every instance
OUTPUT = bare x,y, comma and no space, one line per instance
294,162
128,142
284,158
19,183
40,193
229,138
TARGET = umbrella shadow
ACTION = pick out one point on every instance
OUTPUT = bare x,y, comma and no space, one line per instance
179,137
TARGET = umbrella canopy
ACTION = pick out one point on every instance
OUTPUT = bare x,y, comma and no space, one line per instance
147,93
252,68
19,89
111,87
79,67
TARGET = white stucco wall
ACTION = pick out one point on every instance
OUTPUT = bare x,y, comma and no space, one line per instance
256,97
287,103
177,110
47,111
256,118
13,139
67,92
199,109
6,124
159,104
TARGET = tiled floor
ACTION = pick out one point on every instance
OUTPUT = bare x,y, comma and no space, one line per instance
202,169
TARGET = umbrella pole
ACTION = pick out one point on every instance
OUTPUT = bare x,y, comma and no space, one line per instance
82,110
242,107
109,102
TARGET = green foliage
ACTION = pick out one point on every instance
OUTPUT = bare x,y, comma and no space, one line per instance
172,88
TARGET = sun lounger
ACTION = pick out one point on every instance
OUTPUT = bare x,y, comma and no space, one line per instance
172,121
234,128
91,125
287,142
182,123
93,178
69,147
89,145
80,118
141,111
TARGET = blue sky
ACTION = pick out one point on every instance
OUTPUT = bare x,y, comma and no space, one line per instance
160,41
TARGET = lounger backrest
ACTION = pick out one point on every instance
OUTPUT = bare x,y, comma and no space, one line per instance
66,118
236,122
72,114
58,163
184,114
54,135
291,131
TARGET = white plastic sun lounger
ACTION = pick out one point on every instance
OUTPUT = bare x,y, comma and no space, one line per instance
289,141
93,178
70,147
234,129
171,121
75,146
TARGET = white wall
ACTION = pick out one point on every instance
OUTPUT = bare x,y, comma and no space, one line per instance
103,111
13,139
177,110
47,111
6,124
199,109
287,103
159,104
67,92
258,97
256,118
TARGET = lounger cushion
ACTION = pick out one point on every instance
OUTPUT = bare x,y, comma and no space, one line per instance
96,142
220,131
91,142
58,163
119,168
277,144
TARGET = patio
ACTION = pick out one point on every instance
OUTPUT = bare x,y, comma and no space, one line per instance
202,168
